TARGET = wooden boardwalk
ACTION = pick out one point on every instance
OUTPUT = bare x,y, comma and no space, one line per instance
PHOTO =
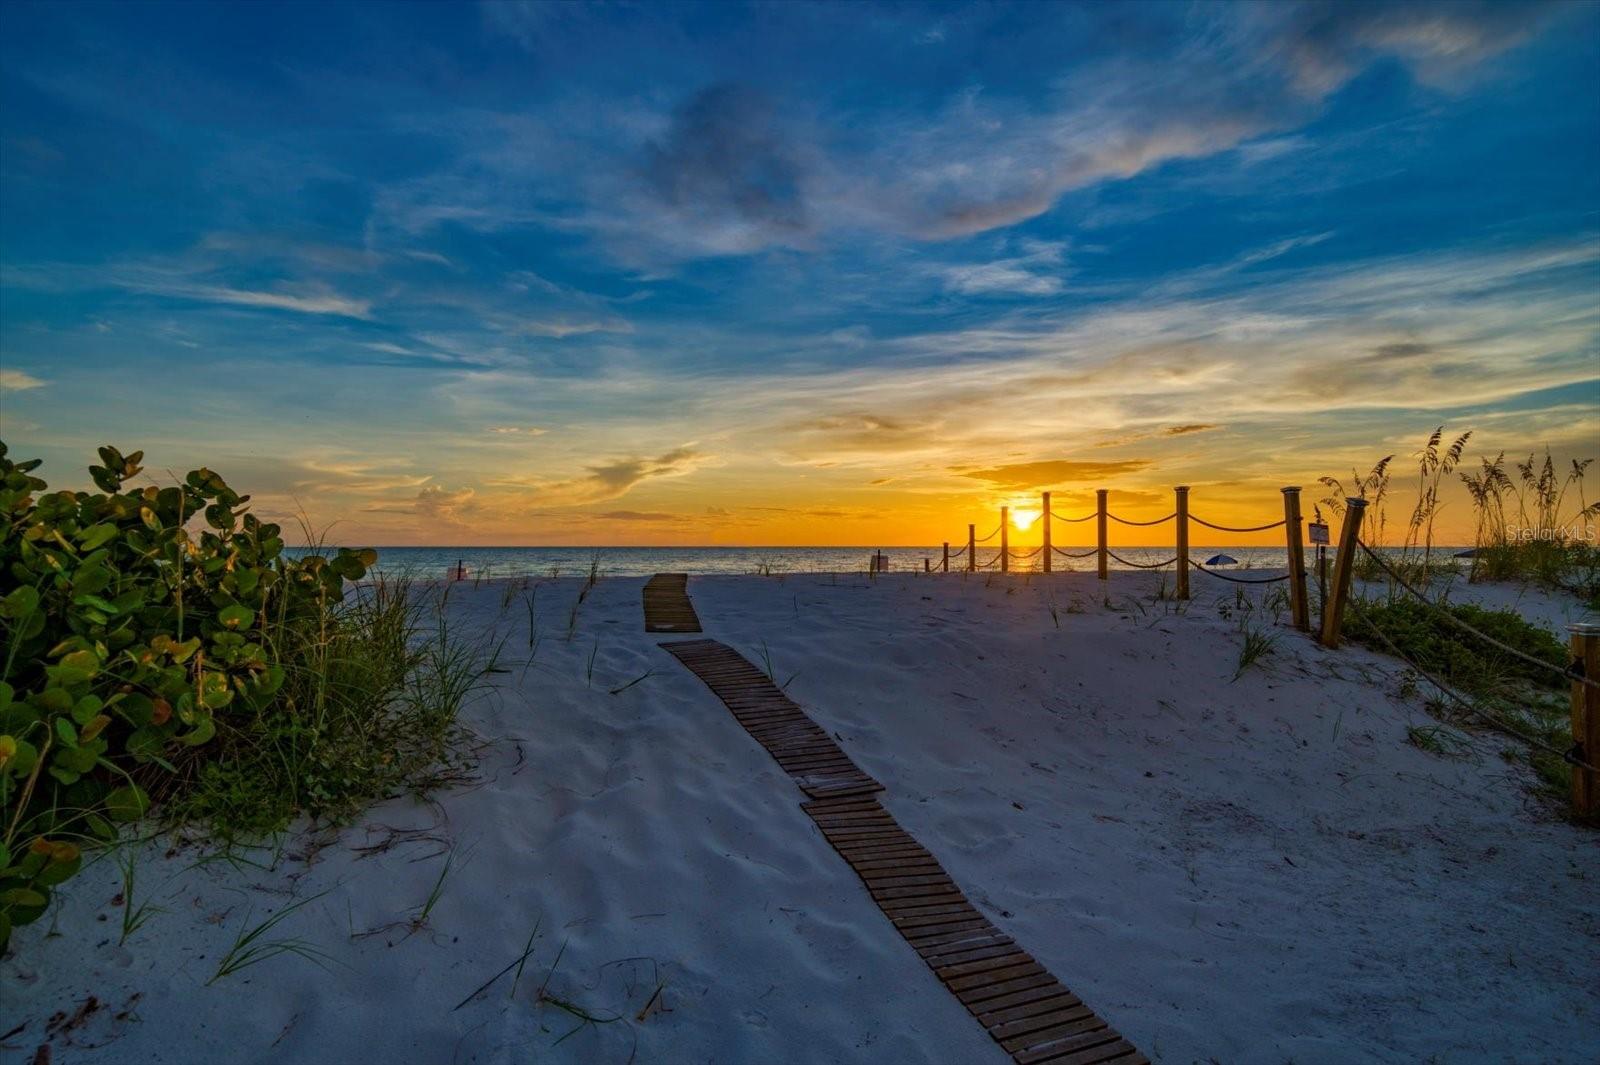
1029,1013
666,604
799,744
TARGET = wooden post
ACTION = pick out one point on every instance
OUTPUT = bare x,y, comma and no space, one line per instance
1044,552
1344,565
1585,716
945,565
1005,539
972,547
1299,607
927,564
1181,493
1100,526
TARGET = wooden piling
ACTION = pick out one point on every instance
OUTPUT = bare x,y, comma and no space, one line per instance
1585,716
1005,539
1044,552
1181,524
1100,526
1343,566
972,547
1299,607
944,566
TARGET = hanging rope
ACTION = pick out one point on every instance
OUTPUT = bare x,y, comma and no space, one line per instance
995,561
1143,565
1023,558
957,554
991,536
1237,580
1485,637
1233,528
1494,722
1158,521
1074,554
1058,517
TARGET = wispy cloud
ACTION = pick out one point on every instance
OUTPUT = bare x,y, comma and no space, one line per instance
1045,473
18,381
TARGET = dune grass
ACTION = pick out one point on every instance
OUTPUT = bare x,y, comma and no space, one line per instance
369,708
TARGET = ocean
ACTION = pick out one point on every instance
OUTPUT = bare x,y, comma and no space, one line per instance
489,562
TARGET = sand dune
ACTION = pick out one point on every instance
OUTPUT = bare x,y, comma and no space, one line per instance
1259,869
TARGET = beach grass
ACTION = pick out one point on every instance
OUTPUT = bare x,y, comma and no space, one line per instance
369,709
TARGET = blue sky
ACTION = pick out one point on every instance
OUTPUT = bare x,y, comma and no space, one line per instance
790,273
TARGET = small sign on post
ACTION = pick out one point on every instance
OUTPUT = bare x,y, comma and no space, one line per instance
1319,533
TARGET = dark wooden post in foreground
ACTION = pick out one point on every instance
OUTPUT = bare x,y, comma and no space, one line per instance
1181,523
1299,606
972,547
945,565
1585,716
1343,566
1005,539
1044,552
1100,525
927,564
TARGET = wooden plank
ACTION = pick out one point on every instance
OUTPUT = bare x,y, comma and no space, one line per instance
974,996
1042,1022
994,976
978,952
920,908
932,952
954,937
1074,1039
1012,957
1101,1045
1026,1004
1027,1010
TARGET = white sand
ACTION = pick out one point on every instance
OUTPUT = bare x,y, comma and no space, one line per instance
1260,870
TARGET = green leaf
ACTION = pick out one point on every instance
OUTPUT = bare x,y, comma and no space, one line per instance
85,709
103,605
96,536
214,691
20,603
127,803
68,734
235,616
203,731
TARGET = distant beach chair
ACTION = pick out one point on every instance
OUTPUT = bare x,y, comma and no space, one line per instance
880,562
458,572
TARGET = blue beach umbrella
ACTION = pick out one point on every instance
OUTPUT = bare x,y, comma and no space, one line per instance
1222,560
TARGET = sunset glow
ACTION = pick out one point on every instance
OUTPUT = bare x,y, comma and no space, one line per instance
1022,518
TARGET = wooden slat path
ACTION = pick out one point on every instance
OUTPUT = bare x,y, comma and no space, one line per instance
666,604
799,744
1027,1011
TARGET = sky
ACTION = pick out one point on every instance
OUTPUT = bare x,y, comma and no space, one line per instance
826,274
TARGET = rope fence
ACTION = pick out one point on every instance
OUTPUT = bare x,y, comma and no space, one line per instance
1241,580
1143,565
1583,673
1450,616
1235,528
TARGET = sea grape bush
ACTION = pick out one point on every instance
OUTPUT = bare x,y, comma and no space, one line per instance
131,618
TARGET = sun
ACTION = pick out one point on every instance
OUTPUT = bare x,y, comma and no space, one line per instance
1022,519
